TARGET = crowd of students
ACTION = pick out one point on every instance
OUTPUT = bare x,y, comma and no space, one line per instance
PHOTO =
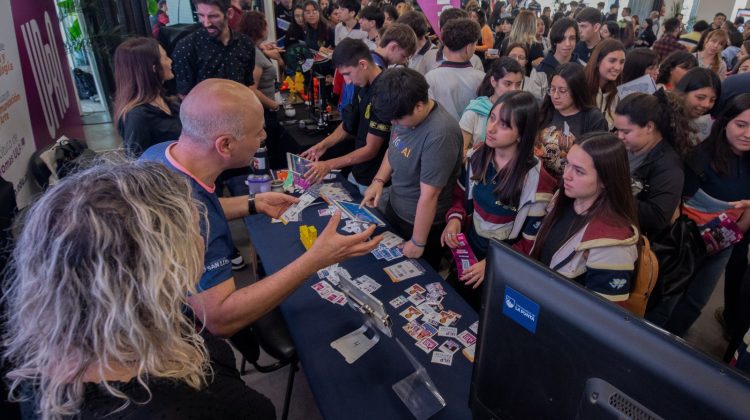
508,126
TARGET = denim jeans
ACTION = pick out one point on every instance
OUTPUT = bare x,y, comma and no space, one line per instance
687,307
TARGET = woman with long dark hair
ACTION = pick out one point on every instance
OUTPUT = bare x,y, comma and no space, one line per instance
144,114
318,33
504,75
296,32
640,62
656,132
604,74
590,235
701,88
717,171
509,187
568,111
673,68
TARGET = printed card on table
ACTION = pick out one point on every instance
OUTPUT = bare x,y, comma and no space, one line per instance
427,344
404,270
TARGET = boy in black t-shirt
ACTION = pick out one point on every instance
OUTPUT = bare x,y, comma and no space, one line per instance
353,60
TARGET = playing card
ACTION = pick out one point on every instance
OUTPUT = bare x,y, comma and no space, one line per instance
398,301
449,346
412,328
469,352
430,329
447,318
404,270
411,313
442,358
427,344
474,327
416,299
426,308
433,318
391,240
447,331
466,338
414,289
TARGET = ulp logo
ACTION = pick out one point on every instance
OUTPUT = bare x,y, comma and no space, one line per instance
520,309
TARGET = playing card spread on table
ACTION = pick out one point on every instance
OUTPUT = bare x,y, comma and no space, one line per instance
404,270
449,346
391,240
366,284
474,327
416,299
466,338
398,301
415,289
447,331
469,352
334,192
427,344
355,226
441,358
411,313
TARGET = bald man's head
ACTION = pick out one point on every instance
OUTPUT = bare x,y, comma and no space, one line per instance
217,107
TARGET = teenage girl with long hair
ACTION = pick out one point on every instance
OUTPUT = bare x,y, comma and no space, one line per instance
507,185
590,234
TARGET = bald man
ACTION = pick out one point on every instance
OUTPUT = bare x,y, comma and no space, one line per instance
222,126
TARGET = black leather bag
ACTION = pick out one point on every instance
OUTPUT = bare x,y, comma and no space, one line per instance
680,251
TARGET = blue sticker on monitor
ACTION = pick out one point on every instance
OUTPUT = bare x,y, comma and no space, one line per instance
520,309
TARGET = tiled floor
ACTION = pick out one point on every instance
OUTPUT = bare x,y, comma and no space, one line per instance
705,335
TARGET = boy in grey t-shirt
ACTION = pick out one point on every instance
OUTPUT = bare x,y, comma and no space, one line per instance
422,162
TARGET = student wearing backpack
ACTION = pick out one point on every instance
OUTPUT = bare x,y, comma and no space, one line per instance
590,233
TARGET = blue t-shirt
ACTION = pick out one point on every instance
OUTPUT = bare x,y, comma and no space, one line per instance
218,249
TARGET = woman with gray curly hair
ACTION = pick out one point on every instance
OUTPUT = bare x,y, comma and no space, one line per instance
96,289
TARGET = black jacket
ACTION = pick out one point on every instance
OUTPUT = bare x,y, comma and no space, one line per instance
660,178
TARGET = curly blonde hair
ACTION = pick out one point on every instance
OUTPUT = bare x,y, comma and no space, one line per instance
98,279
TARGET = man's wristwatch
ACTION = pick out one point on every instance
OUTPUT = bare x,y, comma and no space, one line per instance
251,209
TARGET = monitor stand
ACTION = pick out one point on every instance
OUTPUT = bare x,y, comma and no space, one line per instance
417,391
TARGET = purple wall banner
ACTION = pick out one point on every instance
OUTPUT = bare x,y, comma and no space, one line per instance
53,106
433,8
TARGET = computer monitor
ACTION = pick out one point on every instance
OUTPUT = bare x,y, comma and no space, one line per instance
548,349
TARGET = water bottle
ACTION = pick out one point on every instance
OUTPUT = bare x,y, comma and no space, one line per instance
261,160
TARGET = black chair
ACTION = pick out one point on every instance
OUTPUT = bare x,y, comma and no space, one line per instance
269,333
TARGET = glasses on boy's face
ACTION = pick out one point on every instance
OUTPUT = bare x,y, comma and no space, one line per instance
553,91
